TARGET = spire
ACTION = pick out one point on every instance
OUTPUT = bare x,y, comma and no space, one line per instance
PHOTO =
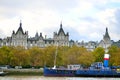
61,24
41,37
40,34
106,29
106,36
36,35
61,29
106,33
20,28
20,23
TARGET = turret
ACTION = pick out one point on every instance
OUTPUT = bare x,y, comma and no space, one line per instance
13,32
106,37
20,23
41,37
20,28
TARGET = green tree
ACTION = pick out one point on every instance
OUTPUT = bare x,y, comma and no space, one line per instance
78,55
99,54
20,56
50,53
5,55
37,56
71,55
86,58
114,52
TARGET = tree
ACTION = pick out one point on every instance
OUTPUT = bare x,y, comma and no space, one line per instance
71,55
20,56
78,55
37,56
50,53
86,58
5,55
114,52
99,54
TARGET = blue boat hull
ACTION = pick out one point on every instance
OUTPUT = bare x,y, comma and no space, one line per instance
98,73
97,69
83,73
59,72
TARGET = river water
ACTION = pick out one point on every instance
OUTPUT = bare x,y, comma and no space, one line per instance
52,78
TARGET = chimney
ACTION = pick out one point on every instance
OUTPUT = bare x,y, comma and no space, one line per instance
106,60
45,36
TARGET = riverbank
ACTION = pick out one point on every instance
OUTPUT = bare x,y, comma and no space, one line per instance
23,72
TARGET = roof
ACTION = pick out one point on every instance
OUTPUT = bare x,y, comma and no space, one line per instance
20,28
106,34
116,43
61,30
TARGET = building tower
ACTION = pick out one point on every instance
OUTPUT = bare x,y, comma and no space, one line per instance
106,42
20,37
60,38
106,37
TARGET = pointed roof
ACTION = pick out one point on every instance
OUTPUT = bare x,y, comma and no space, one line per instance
41,37
61,29
20,28
106,34
36,35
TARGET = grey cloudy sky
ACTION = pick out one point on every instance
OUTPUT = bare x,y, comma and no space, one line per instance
83,19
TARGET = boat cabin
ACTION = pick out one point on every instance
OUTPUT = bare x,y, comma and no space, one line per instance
74,67
97,65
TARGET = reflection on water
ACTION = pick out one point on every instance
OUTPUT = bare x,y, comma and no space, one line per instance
52,78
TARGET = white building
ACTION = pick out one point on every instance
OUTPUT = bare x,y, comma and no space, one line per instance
60,38
20,38
106,42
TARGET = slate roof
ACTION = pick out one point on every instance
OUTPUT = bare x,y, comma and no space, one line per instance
116,43
106,34
61,30
20,29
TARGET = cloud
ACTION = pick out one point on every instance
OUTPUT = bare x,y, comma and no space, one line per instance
117,18
83,19
115,25
2,34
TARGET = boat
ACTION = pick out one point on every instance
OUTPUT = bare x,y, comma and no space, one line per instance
97,69
69,71
2,73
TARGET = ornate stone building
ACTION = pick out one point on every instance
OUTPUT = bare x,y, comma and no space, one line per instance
20,38
91,45
106,42
60,38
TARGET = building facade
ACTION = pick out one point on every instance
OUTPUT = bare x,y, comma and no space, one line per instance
91,45
106,42
20,38
60,38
